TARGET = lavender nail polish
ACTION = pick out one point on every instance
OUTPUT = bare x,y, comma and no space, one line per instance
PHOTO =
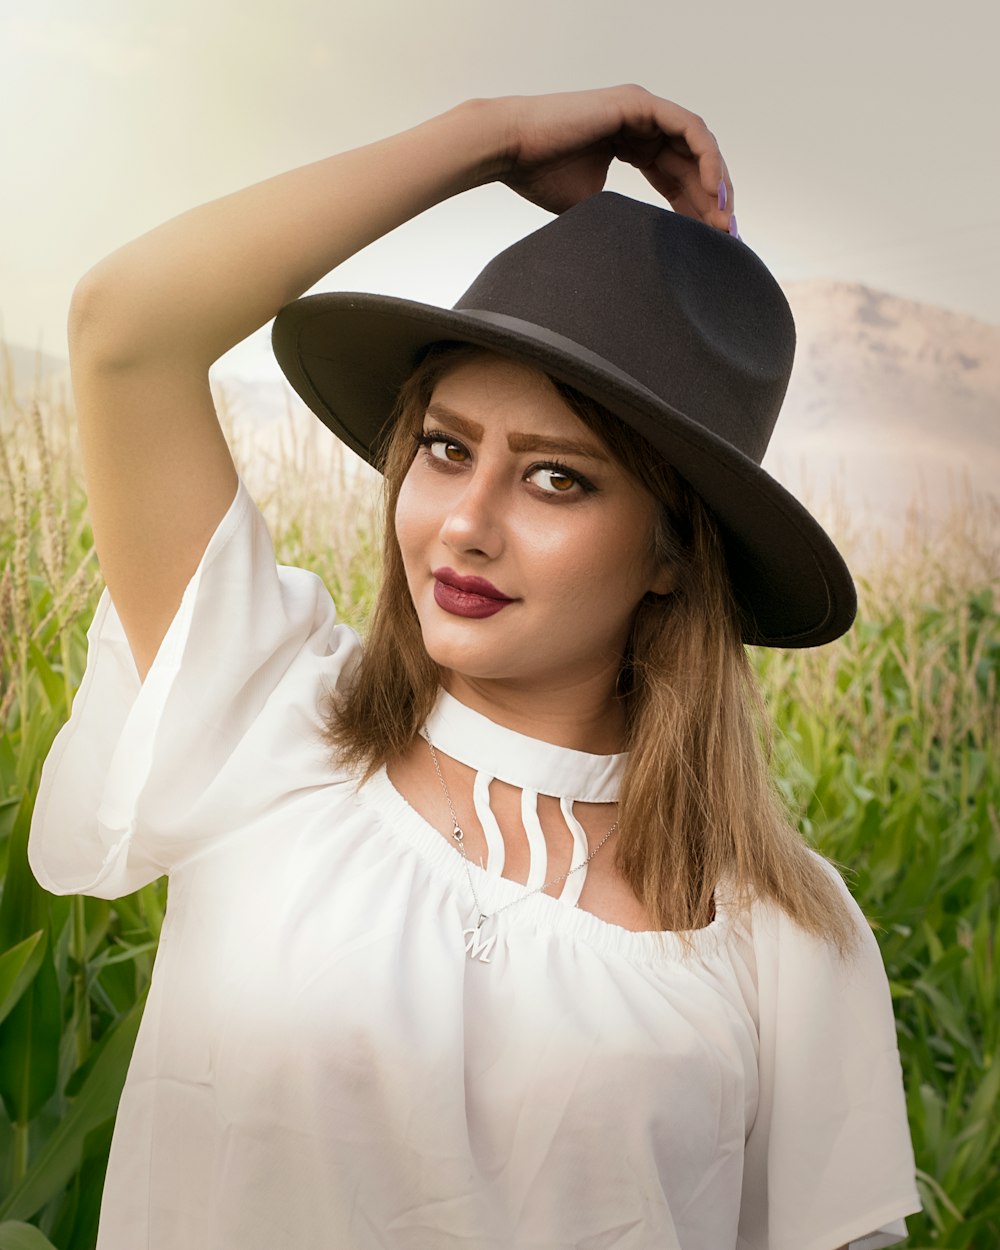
733,230
723,196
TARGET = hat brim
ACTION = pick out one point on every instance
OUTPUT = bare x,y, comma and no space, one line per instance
347,354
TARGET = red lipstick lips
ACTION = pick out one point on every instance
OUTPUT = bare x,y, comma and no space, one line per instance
467,596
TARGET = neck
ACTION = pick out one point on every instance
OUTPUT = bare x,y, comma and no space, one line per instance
584,718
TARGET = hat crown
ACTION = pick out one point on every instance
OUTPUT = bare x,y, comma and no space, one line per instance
684,309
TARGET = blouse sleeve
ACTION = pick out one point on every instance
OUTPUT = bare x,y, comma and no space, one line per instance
828,1159
225,724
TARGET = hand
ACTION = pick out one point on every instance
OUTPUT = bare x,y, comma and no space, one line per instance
559,147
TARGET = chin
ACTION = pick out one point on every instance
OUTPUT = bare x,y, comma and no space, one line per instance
463,644
466,662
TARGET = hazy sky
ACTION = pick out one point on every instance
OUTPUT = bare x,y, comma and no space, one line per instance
862,136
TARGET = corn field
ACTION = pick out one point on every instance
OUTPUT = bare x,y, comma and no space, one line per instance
885,749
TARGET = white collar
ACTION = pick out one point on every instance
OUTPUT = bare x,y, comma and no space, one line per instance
529,763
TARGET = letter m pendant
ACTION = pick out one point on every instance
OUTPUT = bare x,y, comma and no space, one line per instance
474,946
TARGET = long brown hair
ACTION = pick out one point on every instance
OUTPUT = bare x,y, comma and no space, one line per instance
698,805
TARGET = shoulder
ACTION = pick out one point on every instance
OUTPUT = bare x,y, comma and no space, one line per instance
863,941
800,976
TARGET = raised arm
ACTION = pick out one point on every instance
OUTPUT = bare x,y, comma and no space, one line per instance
147,321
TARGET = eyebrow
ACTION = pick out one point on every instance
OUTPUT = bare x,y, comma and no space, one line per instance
517,442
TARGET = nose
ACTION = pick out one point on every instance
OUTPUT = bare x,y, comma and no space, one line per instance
472,525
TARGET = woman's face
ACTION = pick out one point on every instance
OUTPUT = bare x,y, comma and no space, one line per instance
527,548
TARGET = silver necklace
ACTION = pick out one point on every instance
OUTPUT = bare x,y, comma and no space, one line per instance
475,944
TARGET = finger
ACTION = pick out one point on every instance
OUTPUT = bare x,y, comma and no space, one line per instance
694,139
637,150
678,144
683,128
686,138
686,173
689,136
677,176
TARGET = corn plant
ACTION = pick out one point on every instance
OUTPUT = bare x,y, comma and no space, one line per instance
887,753
73,972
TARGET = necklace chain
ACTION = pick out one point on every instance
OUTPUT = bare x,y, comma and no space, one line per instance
459,837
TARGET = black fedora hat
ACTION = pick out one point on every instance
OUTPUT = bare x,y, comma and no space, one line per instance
674,326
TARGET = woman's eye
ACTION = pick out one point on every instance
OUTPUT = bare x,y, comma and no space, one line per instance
443,448
448,451
554,481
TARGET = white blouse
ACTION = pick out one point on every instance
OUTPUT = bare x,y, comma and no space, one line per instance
322,1063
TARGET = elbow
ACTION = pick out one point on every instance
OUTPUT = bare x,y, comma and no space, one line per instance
90,324
119,323
104,326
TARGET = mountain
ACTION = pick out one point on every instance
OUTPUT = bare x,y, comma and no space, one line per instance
892,404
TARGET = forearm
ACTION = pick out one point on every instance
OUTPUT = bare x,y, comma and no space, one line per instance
200,283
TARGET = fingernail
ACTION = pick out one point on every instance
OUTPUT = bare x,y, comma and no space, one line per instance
733,228
723,196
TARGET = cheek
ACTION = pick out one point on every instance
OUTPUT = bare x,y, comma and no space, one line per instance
409,520
596,573
621,552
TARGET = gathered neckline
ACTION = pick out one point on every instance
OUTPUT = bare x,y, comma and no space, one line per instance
473,739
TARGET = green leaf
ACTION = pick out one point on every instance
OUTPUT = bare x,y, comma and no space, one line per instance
30,1034
52,682
17,969
79,1209
96,1103
29,1046
933,1187
8,810
112,955
24,905
17,1236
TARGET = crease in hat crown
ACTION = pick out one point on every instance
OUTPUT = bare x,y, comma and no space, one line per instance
676,327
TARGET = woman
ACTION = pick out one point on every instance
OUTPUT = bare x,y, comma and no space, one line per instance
493,936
